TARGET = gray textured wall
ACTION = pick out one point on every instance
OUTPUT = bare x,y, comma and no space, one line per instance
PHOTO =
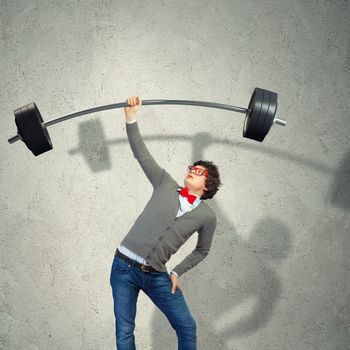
278,274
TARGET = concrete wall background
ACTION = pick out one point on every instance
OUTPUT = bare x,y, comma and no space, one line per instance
278,274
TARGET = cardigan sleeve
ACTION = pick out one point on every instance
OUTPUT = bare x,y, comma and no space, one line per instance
205,238
150,167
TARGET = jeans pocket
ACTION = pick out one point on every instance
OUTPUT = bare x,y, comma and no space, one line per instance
121,265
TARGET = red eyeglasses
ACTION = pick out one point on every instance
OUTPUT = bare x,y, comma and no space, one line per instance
197,171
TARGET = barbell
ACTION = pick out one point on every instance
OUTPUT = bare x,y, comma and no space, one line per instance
260,116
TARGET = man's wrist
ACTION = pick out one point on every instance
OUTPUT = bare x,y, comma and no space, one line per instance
129,121
173,272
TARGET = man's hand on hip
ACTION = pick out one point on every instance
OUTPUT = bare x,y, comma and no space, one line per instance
175,281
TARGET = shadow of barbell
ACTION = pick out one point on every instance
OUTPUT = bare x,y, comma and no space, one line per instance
95,149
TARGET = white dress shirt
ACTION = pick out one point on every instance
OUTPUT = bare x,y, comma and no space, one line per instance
184,207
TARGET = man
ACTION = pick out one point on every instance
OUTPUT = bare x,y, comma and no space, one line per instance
171,216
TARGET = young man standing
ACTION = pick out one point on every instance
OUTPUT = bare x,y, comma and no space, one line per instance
171,216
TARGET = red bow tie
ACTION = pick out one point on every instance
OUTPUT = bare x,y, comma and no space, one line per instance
190,197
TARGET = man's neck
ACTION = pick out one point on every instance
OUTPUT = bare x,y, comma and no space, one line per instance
198,193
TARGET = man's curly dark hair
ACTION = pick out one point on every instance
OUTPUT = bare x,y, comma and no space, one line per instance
212,182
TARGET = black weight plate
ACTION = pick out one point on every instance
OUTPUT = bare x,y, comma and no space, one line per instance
254,107
23,121
44,143
247,117
272,108
251,120
29,124
261,113
38,138
26,125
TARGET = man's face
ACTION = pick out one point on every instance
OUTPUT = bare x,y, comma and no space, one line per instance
193,180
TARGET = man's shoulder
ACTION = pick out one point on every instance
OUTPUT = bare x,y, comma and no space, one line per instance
211,213
168,179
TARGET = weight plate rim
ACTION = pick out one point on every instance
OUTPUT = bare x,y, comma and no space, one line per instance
266,98
42,140
248,115
255,101
268,123
44,128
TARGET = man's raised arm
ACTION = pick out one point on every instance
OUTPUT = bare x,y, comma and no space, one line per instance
148,164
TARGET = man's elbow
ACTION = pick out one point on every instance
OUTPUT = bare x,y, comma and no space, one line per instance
202,251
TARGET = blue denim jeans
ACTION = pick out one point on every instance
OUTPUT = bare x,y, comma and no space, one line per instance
126,280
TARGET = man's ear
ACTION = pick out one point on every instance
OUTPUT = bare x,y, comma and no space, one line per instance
204,188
